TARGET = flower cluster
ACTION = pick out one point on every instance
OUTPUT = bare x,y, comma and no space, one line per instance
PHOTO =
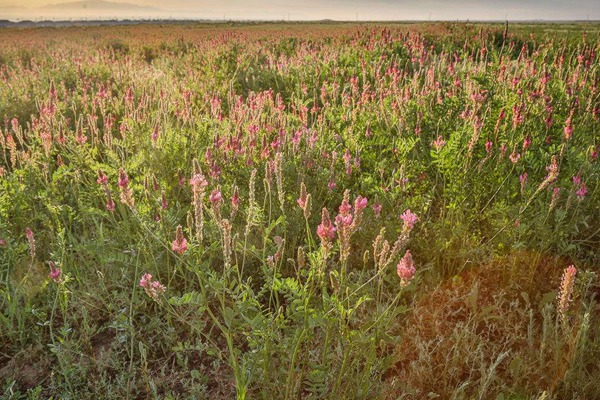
179,245
153,288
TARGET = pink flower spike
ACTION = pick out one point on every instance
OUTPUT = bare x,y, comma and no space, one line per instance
360,203
179,245
215,196
377,209
55,272
235,199
581,192
410,219
152,288
146,280
102,179
406,269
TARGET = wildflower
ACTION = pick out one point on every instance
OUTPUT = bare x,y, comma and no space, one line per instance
235,199
326,230
552,170
81,138
360,203
304,201
488,147
523,180
154,136
409,219
123,179
566,291
331,185
102,179
439,143
55,272
126,193
215,197
110,204
152,288
164,204
514,157
581,192
31,240
406,269
179,245
568,130
303,196
526,142
377,209
198,183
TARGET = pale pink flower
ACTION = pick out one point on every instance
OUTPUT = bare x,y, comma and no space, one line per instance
215,197
31,240
409,219
179,245
568,129
377,209
102,179
198,181
439,143
406,269
514,157
488,146
152,288
565,293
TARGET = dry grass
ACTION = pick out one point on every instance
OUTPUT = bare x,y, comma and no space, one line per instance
486,332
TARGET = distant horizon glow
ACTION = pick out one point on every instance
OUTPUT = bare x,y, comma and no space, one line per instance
342,10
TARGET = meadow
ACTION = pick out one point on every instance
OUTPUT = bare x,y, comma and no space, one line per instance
300,211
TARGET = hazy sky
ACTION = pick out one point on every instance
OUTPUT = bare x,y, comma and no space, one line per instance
306,9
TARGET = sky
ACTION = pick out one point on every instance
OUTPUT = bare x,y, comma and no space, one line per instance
304,9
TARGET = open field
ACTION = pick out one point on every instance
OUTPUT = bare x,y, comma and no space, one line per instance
300,211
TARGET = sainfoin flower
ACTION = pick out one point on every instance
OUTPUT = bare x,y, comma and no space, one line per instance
326,230
439,143
581,192
406,269
410,219
55,272
215,196
153,288
31,240
179,245
566,291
